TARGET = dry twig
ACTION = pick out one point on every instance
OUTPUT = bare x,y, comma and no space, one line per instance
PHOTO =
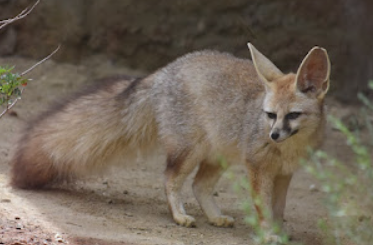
41,61
8,107
21,15
4,23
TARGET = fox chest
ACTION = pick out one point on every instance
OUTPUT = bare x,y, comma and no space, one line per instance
285,158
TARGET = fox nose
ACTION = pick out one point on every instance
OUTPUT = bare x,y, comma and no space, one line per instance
275,136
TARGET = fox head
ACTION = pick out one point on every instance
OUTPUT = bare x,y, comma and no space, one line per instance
293,103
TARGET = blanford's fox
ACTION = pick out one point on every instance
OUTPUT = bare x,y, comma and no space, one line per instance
201,107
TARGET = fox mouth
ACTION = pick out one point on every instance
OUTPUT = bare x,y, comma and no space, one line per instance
279,140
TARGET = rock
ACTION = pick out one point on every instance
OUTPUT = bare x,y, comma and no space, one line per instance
313,188
19,226
8,41
146,36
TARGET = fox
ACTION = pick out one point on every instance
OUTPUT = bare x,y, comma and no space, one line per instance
203,106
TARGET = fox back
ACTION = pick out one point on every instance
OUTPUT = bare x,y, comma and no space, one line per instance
228,108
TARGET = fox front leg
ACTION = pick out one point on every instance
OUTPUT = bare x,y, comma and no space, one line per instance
280,188
262,192
262,184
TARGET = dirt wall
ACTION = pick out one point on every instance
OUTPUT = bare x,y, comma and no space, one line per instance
148,34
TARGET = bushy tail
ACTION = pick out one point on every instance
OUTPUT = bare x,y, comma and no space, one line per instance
86,134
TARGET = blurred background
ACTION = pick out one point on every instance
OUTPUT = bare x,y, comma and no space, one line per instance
148,34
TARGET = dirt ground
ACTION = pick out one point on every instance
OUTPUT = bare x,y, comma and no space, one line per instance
129,206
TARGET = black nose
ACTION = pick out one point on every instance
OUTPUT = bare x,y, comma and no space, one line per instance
275,136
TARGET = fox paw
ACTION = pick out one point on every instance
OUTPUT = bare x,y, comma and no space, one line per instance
222,221
185,220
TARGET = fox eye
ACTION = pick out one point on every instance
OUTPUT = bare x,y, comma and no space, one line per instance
293,115
271,115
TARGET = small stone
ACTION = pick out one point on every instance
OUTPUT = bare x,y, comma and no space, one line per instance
5,200
19,226
58,238
125,192
12,113
313,188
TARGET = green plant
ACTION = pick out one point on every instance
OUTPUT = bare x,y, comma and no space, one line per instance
10,87
12,84
367,112
348,186
261,235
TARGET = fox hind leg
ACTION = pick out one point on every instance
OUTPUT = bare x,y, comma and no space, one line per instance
179,166
207,176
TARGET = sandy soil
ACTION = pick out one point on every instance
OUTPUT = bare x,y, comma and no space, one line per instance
129,205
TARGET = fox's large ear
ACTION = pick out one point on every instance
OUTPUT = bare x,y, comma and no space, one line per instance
266,70
313,73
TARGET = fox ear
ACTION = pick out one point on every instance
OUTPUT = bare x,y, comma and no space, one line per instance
313,73
266,70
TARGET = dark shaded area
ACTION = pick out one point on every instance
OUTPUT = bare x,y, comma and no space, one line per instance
147,34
